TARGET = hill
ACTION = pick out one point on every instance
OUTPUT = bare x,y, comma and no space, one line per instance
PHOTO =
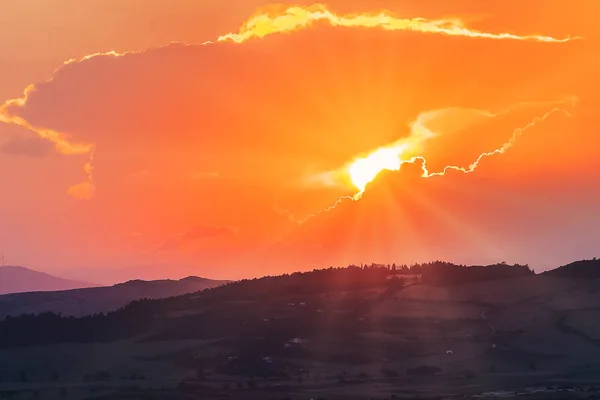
584,269
146,316
79,302
20,279
338,333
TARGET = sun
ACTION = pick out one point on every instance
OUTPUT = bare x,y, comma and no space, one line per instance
363,170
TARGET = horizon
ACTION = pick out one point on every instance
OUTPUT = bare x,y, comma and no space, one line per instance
351,265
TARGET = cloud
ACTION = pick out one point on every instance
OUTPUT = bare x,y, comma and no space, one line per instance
269,113
82,191
20,145
290,19
85,190
60,139
412,151
111,105
197,233
265,23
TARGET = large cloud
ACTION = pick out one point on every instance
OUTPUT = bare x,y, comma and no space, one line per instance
235,98
269,113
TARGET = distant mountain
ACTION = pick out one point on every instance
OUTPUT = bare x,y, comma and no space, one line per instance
107,275
80,302
20,279
584,269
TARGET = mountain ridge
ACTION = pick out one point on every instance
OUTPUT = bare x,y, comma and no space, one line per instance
92,300
18,279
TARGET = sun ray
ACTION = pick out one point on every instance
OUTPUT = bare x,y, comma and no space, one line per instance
363,170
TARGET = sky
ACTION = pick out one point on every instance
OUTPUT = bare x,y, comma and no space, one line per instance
239,138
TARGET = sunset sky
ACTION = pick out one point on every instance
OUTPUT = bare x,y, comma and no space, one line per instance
239,138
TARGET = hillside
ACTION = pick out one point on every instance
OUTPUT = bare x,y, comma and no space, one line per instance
20,279
345,333
79,302
584,269
147,315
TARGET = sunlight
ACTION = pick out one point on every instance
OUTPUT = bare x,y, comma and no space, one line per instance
364,170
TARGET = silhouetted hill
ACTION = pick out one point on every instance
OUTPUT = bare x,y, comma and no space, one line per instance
210,310
20,279
584,269
79,302
459,328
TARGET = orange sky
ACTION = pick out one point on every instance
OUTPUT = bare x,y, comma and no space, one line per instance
230,159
